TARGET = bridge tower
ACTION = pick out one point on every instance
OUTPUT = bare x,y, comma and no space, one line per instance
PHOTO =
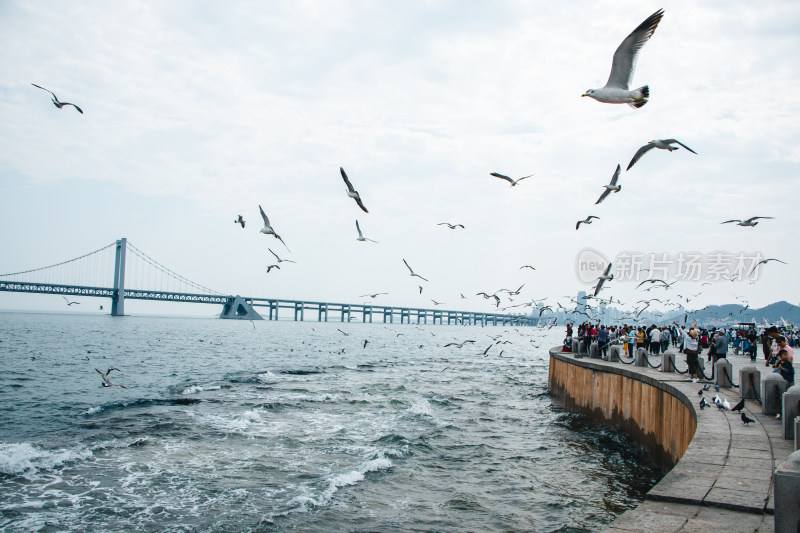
118,300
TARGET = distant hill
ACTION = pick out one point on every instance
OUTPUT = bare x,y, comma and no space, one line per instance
734,313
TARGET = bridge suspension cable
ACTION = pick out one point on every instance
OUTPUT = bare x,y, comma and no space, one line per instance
139,274
93,268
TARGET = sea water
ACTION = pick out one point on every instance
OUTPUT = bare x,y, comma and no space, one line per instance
227,425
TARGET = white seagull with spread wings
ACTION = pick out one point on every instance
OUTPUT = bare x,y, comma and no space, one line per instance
616,89
412,271
664,144
513,182
749,222
267,229
587,220
611,186
351,192
361,235
602,279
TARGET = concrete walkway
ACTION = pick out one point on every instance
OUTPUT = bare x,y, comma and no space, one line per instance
724,480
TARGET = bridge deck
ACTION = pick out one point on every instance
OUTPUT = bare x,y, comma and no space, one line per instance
344,311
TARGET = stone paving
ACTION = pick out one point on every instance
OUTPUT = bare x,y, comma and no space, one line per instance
724,481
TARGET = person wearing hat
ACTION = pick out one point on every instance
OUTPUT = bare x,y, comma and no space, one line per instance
691,349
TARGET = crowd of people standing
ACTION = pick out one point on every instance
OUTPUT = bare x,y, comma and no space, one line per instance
776,345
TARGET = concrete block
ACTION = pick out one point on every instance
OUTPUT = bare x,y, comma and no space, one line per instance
723,371
797,434
791,409
787,495
772,387
668,362
594,350
582,348
750,383
614,352
641,357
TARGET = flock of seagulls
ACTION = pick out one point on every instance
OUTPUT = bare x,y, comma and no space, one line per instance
617,90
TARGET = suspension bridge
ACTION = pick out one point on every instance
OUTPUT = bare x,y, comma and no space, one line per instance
137,276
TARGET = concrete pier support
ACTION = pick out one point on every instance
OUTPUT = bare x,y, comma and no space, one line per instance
787,495
722,373
791,410
772,386
641,358
613,353
668,362
750,383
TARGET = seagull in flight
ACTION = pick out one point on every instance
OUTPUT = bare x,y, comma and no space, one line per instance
451,226
239,220
606,276
55,99
361,235
513,182
764,262
270,267
267,229
655,281
616,89
664,144
351,192
70,304
526,266
412,272
611,186
749,222
279,259
435,302
106,381
373,295
588,220
457,344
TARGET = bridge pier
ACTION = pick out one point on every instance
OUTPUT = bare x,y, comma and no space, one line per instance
388,311
273,310
345,310
118,300
298,311
366,311
405,316
323,310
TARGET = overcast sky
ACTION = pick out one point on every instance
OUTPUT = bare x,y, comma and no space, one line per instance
196,112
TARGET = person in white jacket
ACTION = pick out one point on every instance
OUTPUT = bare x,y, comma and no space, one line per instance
691,349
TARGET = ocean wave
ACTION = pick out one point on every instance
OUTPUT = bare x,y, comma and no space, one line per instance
306,503
27,460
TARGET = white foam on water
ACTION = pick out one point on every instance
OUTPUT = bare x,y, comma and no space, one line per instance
27,460
93,410
194,389
268,377
422,407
